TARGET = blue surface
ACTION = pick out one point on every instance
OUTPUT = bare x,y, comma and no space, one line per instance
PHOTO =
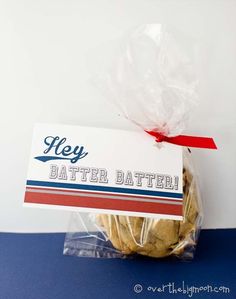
32,267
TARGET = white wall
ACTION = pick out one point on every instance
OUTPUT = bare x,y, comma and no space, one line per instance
43,78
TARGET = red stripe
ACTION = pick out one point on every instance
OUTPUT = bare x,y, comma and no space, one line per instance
104,193
103,203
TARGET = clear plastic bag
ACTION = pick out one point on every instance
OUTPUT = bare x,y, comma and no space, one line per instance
153,83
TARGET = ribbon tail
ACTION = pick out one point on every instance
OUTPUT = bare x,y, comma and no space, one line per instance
184,140
193,141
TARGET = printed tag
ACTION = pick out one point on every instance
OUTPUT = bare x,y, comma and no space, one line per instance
104,171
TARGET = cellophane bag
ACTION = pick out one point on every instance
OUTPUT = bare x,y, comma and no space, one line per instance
152,82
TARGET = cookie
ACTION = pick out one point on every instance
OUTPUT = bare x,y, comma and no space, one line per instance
156,237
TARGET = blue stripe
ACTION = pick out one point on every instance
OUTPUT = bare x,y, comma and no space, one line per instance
104,189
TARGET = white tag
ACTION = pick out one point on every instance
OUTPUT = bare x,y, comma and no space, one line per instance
104,171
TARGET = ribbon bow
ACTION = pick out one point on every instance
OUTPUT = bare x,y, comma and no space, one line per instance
184,140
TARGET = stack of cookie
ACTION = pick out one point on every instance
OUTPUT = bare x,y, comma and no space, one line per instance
157,237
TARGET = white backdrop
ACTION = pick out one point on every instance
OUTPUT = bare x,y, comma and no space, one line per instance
43,78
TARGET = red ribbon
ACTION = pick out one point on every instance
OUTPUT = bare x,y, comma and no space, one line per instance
183,140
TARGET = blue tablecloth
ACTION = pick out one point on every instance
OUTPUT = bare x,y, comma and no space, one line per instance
32,267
